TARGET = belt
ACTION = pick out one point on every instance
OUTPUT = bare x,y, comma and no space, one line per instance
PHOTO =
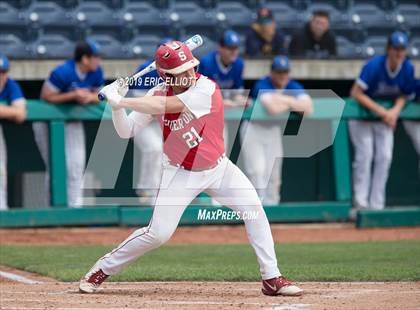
218,161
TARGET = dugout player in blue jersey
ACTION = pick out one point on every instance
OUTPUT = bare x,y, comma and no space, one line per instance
262,141
149,139
77,80
224,66
12,108
388,77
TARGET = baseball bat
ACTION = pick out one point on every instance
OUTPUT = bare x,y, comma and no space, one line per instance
192,43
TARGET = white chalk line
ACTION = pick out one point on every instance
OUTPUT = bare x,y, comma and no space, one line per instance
18,278
44,308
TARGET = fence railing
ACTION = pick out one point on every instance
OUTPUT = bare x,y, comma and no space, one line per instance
324,109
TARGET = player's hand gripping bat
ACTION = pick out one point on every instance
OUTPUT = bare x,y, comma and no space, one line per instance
192,43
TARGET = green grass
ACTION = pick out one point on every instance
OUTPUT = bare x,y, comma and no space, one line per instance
362,261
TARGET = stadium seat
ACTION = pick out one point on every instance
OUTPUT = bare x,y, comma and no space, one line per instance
13,47
234,14
47,13
139,13
109,46
414,49
113,4
9,15
337,18
352,34
156,3
143,46
68,4
374,45
385,5
284,15
189,13
20,4
95,13
347,49
52,46
370,16
71,32
408,14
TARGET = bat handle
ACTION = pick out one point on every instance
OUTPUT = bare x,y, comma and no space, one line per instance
101,96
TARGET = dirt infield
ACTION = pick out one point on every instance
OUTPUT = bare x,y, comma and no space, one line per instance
209,295
50,294
282,233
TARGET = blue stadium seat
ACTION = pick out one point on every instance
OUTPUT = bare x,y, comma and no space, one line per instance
95,13
73,33
52,46
337,18
385,5
139,13
156,3
414,49
47,13
189,13
9,15
284,15
347,49
13,47
234,13
408,14
374,45
20,4
109,46
143,46
68,4
371,16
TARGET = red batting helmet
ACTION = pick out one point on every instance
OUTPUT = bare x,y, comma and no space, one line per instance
174,57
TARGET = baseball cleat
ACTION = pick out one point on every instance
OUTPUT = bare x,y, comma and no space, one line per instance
92,280
280,286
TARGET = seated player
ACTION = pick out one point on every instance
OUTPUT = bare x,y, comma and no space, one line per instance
75,81
190,111
389,77
277,93
12,108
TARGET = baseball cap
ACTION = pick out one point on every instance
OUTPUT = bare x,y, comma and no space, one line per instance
4,63
398,39
280,63
264,16
230,39
94,47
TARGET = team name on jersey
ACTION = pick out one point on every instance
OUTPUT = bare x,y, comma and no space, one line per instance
179,123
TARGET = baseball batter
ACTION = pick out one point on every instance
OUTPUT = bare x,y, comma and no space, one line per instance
189,108
12,108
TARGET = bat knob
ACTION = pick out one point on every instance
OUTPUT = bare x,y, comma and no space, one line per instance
101,97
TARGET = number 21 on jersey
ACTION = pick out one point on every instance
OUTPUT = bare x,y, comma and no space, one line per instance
192,138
